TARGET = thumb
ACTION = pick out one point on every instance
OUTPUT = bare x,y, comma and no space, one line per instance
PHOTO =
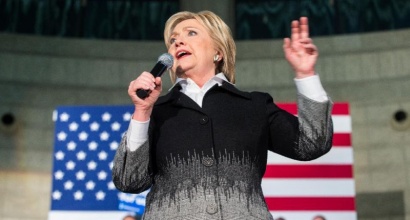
158,83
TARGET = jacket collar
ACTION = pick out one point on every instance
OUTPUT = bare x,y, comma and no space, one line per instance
175,96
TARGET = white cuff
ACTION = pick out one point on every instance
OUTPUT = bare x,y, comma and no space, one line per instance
137,134
312,88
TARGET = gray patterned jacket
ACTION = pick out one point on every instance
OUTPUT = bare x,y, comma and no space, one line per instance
208,163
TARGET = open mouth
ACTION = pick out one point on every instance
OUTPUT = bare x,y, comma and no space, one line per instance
182,54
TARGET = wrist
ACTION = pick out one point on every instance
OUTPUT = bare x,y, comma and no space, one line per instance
301,75
141,115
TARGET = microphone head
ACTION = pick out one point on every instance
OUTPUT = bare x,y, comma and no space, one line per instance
166,59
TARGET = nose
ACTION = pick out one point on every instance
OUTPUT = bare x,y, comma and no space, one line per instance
179,41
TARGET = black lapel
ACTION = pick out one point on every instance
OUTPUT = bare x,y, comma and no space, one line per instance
177,98
232,89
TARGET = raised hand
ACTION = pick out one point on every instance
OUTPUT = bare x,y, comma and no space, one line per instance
299,50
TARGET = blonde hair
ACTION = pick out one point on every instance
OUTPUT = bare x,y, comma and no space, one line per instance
219,32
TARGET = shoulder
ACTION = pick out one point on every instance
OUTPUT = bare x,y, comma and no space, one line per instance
254,95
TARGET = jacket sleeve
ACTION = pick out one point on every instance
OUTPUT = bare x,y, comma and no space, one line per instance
306,136
131,172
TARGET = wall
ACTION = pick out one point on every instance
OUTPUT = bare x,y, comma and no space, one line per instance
37,74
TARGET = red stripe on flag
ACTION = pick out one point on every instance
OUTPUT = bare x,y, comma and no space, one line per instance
311,204
342,139
338,108
309,171
292,108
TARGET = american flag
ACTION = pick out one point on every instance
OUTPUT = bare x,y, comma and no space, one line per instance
86,138
298,190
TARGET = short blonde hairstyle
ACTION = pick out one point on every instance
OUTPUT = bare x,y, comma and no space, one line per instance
219,32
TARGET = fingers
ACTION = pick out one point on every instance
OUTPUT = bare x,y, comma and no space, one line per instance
144,81
299,36
287,48
295,32
289,45
305,41
158,83
304,28
311,49
286,43
300,29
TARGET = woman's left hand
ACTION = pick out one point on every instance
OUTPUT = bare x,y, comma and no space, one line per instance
299,50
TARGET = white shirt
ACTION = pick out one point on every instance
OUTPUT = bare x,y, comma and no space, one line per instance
137,134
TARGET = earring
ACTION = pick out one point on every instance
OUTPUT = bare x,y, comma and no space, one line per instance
216,57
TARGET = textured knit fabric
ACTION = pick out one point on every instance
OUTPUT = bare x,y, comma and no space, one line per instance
208,163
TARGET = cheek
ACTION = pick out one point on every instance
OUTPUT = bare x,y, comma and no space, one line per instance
171,51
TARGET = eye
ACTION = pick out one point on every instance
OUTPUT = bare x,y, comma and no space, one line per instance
192,33
172,40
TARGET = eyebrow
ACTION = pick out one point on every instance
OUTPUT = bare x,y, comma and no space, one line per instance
173,33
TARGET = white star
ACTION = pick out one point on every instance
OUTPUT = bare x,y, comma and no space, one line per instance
106,116
71,145
61,136
56,195
126,116
92,145
111,185
85,116
100,195
59,175
68,185
102,175
83,136
92,165
104,136
94,126
111,165
114,145
80,175
59,155
70,165
64,116
90,185
102,155
73,126
81,155
115,126
78,195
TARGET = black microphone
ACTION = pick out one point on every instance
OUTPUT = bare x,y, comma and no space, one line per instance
165,61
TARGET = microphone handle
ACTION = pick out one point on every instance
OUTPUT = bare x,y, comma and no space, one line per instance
157,71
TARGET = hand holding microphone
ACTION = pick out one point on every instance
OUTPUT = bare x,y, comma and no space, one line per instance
165,61
145,90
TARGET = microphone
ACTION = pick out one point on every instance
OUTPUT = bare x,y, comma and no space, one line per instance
165,61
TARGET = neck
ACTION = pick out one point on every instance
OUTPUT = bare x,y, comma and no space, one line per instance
199,79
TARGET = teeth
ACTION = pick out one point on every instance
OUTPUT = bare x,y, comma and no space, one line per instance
181,53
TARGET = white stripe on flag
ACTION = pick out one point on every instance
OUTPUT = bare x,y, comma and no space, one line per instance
87,215
342,124
273,187
308,215
336,156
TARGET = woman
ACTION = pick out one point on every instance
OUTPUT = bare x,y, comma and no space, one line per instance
202,148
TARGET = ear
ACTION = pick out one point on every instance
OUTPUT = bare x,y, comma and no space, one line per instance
219,56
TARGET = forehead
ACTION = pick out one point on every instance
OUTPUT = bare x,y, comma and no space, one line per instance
188,24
